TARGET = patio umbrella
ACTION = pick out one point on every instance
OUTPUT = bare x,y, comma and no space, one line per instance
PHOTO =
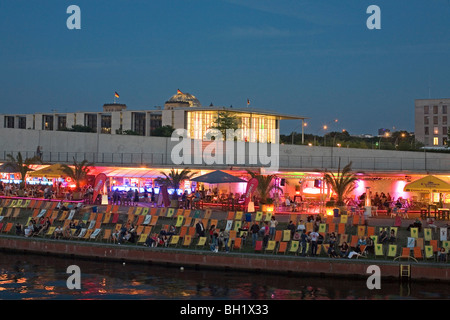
216,177
428,184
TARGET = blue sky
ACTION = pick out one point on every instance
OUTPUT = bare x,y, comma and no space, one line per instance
310,58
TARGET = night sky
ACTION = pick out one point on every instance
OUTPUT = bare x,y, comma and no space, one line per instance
309,58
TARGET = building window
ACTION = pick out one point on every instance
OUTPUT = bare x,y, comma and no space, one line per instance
22,123
435,141
47,122
427,130
426,120
444,109
426,109
91,121
106,123
444,119
435,120
9,122
444,131
436,130
62,122
139,123
435,109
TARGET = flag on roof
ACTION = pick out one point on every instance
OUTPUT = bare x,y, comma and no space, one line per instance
116,94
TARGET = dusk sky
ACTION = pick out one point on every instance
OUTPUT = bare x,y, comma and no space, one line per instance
310,58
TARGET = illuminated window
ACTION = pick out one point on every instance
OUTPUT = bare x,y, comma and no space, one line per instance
436,130
435,141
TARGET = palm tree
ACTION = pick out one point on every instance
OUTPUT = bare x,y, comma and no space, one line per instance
174,179
79,171
265,186
22,166
342,183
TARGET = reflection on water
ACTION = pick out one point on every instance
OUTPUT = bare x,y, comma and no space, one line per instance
27,276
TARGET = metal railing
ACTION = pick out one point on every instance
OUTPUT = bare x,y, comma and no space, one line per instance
286,162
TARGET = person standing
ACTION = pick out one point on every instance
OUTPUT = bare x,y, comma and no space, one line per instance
200,228
314,237
303,242
272,226
254,230
266,234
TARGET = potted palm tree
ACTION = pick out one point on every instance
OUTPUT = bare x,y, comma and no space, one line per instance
173,180
22,166
342,183
78,173
266,184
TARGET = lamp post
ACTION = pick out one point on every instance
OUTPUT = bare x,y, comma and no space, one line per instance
386,134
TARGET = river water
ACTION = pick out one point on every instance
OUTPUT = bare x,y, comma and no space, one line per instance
29,276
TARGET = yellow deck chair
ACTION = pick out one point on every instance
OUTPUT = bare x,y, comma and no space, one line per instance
392,250
379,250
268,216
50,231
238,215
170,212
258,216
271,245
179,222
286,235
187,240
142,238
429,253
414,232
427,234
174,240
294,247
201,242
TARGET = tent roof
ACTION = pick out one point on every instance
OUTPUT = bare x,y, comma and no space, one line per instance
428,184
53,171
9,167
217,177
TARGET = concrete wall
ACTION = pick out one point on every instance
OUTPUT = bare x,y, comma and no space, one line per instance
60,146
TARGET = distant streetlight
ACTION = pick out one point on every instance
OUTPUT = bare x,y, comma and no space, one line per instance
386,134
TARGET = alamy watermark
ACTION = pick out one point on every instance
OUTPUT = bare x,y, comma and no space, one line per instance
213,149
74,280
374,280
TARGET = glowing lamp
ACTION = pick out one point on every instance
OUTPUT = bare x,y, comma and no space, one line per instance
270,208
330,212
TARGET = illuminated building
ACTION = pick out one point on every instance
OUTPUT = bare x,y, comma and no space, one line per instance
431,121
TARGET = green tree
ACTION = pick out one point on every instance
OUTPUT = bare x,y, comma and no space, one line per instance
224,121
22,166
77,172
266,185
164,131
342,183
173,179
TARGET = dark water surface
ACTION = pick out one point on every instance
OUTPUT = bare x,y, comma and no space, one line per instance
28,276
